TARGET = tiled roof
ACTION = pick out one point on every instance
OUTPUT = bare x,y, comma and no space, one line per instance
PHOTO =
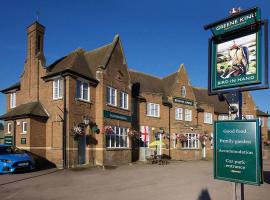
202,96
83,62
261,113
26,110
147,82
14,86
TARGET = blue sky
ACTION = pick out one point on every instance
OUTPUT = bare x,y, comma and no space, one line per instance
157,36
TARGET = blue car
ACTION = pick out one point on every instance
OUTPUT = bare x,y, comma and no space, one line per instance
13,159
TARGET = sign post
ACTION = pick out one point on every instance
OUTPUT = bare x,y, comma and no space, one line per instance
235,65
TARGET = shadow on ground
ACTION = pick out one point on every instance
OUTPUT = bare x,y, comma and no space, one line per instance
41,163
204,195
266,176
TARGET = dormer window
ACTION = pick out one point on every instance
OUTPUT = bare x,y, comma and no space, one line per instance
183,91
12,100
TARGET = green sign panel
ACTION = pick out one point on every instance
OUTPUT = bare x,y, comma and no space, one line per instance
117,116
237,151
183,101
9,140
237,23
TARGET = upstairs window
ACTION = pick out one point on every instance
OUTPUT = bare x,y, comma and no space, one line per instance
153,110
179,113
183,91
124,100
261,121
57,88
12,100
249,117
24,127
188,115
208,118
82,90
9,127
111,96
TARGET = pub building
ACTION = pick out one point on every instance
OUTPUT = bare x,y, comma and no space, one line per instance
88,107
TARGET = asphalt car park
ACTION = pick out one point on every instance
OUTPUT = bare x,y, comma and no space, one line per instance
175,181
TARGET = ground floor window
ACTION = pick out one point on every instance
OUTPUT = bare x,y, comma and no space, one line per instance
192,141
117,137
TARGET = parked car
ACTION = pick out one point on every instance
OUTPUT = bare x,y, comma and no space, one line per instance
13,159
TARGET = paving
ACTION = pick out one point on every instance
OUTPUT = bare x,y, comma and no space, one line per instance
179,180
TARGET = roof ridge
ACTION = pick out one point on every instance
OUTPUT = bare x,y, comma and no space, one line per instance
169,75
97,49
199,88
133,70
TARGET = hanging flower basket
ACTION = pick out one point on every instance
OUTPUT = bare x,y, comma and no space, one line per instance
202,137
108,130
182,138
78,131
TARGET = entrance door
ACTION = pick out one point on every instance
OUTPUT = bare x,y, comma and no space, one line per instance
81,149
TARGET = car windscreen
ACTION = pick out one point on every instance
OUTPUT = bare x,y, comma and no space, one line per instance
10,150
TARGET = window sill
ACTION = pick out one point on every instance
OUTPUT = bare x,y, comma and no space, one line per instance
178,119
117,148
158,117
190,148
56,99
24,133
84,101
108,104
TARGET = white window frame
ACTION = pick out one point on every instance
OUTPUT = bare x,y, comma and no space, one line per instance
249,117
24,127
152,110
12,100
81,97
192,141
109,99
223,117
183,91
208,118
9,128
57,89
178,113
188,115
124,100
117,134
261,121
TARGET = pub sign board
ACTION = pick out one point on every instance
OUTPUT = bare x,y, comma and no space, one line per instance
236,58
237,151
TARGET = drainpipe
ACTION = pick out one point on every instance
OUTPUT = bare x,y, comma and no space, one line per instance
64,124
14,132
170,131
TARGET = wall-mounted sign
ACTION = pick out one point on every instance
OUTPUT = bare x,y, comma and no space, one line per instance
183,101
9,140
23,140
117,116
237,151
